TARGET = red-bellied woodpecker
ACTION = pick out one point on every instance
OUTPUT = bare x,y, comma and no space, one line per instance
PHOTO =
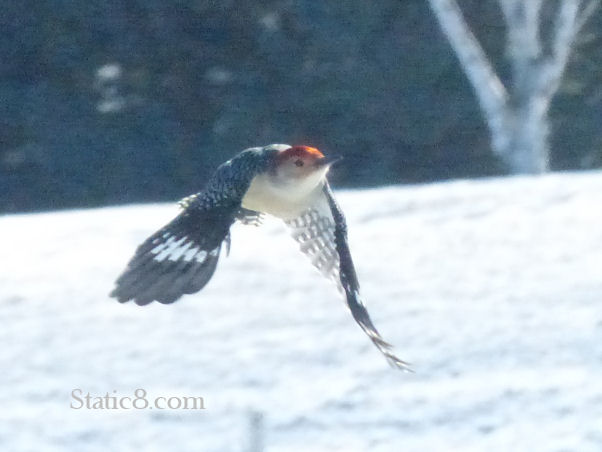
288,182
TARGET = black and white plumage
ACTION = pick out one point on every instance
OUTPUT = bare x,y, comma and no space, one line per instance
280,180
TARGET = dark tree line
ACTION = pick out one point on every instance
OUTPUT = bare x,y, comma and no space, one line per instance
124,101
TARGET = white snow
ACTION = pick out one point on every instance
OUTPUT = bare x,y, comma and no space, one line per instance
491,288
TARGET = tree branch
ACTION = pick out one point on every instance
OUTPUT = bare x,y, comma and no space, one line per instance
490,91
522,25
524,47
566,27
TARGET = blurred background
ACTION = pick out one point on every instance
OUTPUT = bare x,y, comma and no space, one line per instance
129,101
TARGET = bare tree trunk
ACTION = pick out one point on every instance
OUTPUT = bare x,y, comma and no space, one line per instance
517,115
527,142
528,130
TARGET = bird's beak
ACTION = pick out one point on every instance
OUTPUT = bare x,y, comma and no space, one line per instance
327,161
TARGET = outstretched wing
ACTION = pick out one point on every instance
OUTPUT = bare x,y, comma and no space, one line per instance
181,257
322,234
314,230
178,259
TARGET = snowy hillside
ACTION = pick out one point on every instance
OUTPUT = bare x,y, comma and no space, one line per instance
491,289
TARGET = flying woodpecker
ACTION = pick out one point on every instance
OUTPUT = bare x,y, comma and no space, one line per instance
288,182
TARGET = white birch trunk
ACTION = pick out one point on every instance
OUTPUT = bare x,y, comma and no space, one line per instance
517,115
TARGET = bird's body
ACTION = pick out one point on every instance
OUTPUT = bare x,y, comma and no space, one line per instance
288,182
264,195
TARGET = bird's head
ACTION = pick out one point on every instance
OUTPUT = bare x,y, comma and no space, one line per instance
297,164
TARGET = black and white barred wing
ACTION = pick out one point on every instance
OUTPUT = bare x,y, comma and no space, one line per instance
181,257
314,231
322,235
178,259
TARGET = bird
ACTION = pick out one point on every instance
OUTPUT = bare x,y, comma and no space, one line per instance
284,181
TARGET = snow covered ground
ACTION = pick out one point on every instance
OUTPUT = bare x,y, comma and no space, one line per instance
491,289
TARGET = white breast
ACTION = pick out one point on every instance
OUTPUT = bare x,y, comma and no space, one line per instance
283,200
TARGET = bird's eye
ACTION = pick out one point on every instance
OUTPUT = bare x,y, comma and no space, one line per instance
299,162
